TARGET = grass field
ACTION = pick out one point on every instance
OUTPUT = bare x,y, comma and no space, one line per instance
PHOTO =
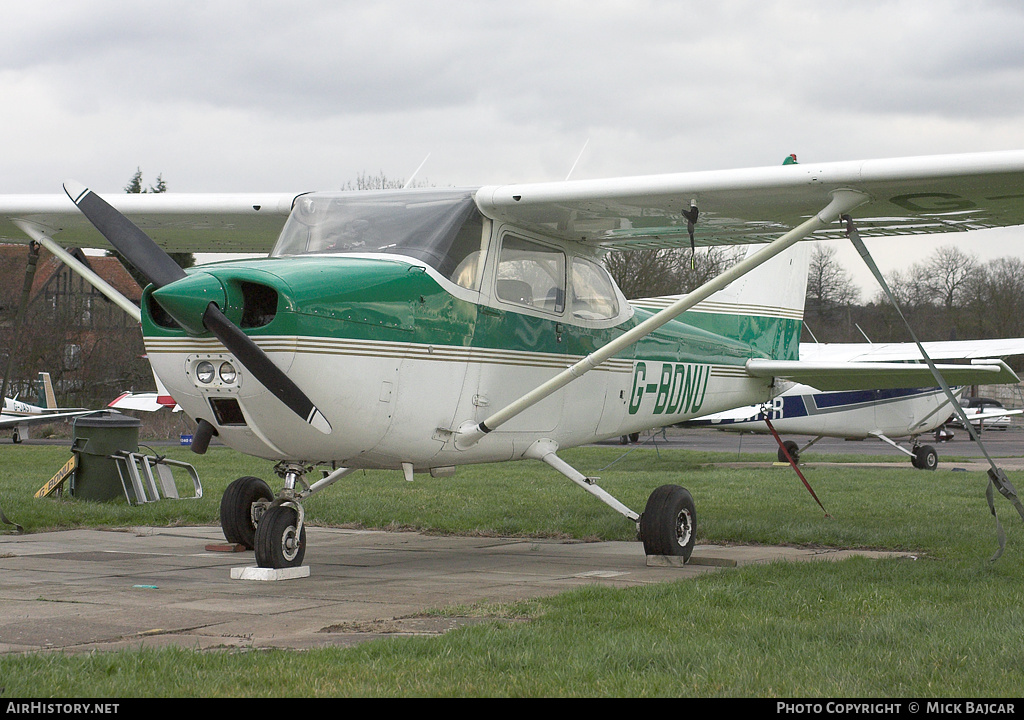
948,624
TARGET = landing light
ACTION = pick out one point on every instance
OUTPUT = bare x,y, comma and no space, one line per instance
227,373
205,372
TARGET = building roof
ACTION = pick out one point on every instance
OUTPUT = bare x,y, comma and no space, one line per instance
14,259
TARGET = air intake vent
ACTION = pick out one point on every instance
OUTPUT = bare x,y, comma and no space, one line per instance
160,316
259,305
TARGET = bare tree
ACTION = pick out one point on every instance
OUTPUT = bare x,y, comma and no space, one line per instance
380,181
947,274
667,271
831,292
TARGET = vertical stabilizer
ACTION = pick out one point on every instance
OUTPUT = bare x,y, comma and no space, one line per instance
764,308
778,286
49,399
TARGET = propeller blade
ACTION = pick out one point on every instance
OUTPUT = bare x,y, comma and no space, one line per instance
137,247
257,363
158,267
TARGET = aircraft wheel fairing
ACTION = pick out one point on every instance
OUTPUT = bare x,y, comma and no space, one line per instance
277,543
668,525
925,458
241,507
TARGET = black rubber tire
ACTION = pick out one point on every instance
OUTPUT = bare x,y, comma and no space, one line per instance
276,543
668,525
238,518
794,452
926,457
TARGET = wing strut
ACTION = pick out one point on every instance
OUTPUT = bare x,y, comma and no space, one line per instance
843,201
996,477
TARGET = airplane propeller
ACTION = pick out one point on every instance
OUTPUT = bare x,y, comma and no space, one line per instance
158,267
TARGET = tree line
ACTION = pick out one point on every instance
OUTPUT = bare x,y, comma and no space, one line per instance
950,295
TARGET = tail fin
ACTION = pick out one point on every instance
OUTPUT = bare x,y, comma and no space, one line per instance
764,308
49,399
777,287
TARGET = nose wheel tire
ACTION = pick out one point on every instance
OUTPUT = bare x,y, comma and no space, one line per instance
668,525
241,506
278,545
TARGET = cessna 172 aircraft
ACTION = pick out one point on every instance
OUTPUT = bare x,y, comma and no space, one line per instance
19,415
885,415
421,330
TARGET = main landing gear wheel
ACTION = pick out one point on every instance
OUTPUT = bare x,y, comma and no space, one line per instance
925,458
794,452
241,507
669,523
277,543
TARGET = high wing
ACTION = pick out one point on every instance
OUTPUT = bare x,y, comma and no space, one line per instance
907,196
931,194
903,352
178,222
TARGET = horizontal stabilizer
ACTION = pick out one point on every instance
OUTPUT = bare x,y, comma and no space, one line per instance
880,376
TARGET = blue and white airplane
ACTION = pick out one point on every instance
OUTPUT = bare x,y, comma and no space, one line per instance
885,414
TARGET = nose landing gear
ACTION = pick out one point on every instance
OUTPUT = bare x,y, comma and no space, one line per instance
273,526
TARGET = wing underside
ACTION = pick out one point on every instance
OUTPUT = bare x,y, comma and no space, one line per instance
907,196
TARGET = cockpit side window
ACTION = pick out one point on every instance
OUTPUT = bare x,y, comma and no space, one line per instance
531,275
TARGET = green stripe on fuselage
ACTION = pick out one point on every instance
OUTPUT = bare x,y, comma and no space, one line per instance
391,301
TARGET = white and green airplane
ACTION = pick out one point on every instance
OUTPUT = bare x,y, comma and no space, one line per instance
420,330
19,415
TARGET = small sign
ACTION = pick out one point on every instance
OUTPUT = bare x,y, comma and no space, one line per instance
186,439
62,475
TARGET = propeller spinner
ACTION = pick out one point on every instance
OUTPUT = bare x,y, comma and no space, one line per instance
158,267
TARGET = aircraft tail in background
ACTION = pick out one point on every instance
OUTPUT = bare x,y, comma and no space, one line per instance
47,396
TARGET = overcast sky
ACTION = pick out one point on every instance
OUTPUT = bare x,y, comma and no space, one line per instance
295,96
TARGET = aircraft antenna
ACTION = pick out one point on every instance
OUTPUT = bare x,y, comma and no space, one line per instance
409,181
573,168
863,333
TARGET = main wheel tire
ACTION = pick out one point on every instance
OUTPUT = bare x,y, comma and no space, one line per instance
926,457
241,507
669,523
277,544
794,452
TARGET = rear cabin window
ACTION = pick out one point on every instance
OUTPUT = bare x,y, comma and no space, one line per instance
593,293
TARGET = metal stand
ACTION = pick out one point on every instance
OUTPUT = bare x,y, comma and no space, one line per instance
146,479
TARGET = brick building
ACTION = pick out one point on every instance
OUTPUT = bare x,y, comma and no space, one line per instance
91,347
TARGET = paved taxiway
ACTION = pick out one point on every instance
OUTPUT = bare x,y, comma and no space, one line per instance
81,590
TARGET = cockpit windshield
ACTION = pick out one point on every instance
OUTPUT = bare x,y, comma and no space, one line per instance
441,228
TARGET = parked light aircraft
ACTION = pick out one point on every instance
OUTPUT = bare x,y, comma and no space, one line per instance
19,415
421,330
885,415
